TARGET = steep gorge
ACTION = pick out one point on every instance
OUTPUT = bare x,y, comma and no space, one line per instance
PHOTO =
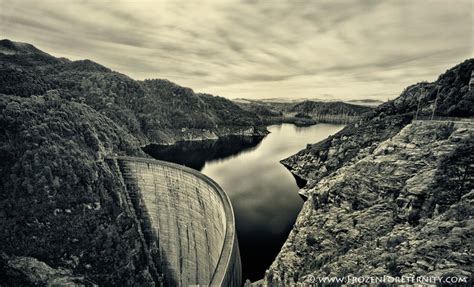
63,217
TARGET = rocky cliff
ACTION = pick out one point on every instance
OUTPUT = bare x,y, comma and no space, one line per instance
403,208
449,96
389,194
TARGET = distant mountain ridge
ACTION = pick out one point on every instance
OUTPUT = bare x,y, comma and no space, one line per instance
297,100
306,112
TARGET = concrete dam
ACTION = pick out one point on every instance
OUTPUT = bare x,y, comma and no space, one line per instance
189,218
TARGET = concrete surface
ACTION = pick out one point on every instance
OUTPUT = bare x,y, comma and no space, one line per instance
191,219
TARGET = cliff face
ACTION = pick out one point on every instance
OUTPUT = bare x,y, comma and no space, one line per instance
450,92
404,208
388,195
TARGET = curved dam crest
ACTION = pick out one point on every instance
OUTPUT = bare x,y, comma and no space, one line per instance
187,219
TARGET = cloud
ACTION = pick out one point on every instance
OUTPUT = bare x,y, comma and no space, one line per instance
255,49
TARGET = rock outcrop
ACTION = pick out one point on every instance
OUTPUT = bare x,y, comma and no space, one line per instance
28,271
391,194
405,208
450,92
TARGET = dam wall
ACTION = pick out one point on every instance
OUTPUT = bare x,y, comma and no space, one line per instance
188,220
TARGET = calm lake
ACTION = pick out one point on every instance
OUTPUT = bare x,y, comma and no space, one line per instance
263,192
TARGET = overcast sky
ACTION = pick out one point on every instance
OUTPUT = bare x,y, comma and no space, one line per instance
255,49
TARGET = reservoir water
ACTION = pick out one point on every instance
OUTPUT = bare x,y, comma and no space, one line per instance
263,192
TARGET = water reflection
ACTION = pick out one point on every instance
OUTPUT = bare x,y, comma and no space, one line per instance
195,154
263,192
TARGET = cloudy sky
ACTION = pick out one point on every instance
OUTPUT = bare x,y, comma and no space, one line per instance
330,49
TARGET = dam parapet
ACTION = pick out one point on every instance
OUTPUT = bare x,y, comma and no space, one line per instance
187,221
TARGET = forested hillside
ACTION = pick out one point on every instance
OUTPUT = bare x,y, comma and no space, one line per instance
152,110
63,215
61,211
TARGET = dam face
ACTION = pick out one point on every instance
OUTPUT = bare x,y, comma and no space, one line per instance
189,219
